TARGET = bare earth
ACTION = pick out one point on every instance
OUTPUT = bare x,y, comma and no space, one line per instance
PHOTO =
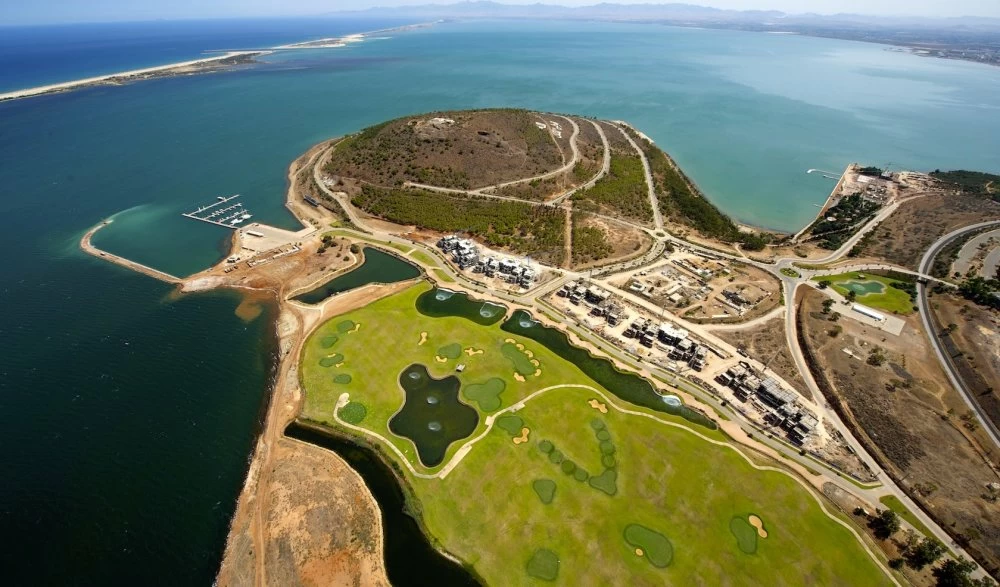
767,343
911,420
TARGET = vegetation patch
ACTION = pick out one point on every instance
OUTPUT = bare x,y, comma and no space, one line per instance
545,489
486,394
328,341
589,243
451,351
511,424
353,412
522,364
893,503
538,231
606,482
545,446
345,326
342,378
331,360
877,291
972,182
544,565
654,546
745,534
623,190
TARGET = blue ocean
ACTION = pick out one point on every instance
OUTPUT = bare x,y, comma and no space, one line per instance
128,413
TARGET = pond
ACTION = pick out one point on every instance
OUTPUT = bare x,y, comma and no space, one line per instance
410,559
440,302
378,267
432,416
627,386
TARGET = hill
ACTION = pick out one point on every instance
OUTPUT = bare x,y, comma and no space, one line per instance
567,190
460,150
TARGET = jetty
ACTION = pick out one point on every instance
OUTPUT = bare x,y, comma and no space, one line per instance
89,248
230,216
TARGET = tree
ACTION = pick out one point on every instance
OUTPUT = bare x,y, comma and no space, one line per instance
885,524
825,283
852,295
355,249
925,553
955,573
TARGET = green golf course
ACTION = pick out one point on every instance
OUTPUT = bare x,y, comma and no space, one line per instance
556,490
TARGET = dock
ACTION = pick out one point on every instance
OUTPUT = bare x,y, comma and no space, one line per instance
227,216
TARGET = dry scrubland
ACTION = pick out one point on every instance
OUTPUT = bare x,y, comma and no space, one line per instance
974,346
480,149
917,223
905,411
472,150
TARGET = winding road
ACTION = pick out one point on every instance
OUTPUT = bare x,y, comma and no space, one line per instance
925,317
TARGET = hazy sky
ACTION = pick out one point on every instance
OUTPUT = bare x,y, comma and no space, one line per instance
42,11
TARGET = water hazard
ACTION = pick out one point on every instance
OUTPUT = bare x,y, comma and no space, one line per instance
440,302
378,267
628,386
432,415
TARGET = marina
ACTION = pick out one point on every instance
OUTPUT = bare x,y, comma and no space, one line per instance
228,216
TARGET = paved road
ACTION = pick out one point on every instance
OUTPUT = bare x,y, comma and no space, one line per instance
789,286
650,186
605,167
932,335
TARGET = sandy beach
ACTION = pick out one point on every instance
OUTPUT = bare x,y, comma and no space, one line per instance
182,67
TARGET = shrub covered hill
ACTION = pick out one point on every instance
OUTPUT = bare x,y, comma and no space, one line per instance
462,171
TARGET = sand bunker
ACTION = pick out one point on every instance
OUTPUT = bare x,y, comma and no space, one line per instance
423,338
533,361
519,346
472,352
538,372
509,340
440,359
357,327
529,354
759,524
523,437
638,552
339,365
598,406
518,377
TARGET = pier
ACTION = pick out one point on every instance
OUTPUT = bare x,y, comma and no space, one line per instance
230,216
826,174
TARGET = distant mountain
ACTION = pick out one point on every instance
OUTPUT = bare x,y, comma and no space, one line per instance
685,14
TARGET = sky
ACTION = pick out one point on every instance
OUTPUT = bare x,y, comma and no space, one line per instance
14,12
